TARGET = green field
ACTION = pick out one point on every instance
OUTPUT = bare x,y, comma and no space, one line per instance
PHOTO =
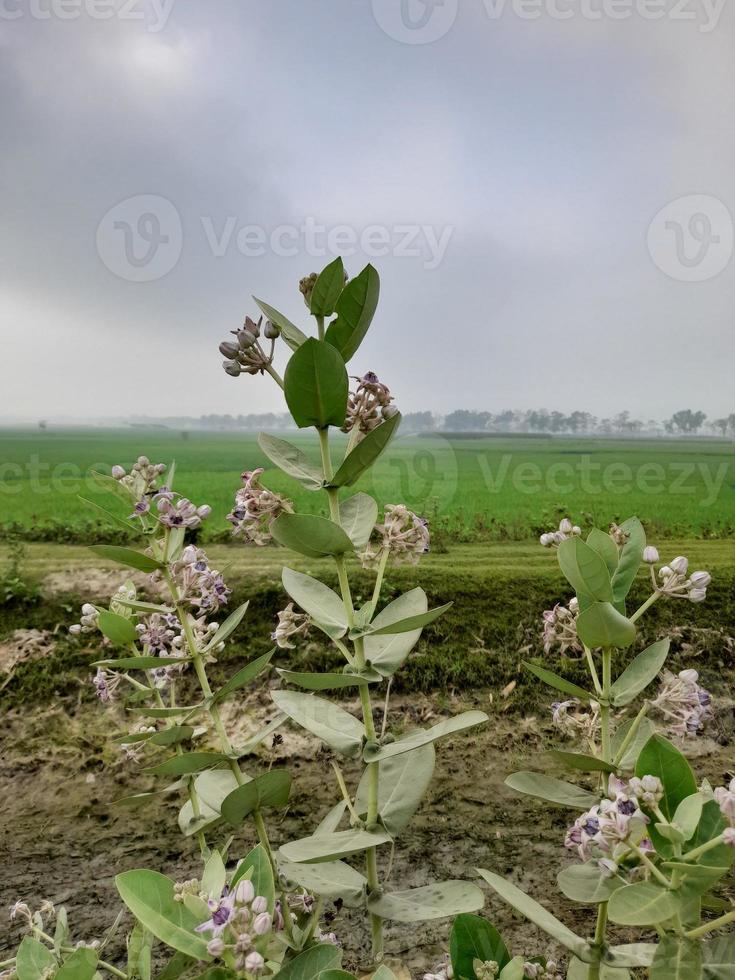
470,488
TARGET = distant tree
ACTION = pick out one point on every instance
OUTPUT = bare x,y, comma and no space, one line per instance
418,422
464,420
686,421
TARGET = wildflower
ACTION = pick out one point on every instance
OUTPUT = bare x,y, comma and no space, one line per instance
105,684
648,789
256,508
403,536
674,581
246,356
198,584
573,719
725,799
158,632
306,285
328,937
684,704
222,914
141,480
290,624
615,820
368,405
181,513
560,628
89,621
20,911
565,530
728,836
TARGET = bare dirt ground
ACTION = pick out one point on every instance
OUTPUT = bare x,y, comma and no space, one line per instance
62,840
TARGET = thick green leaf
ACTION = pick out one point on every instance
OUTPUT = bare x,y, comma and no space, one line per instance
711,825
292,461
537,914
139,606
322,682
688,814
118,629
358,515
33,959
631,556
601,625
631,955
128,525
329,823
211,786
327,288
321,603
311,535
172,735
229,626
316,385
411,622
141,663
585,570
331,847
256,866
190,762
355,309
552,790
646,728
719,958
243,677
468,719
605,547
642,904
582,762
585,883
271,789
474,938
332,724
331,879
386,653
638,675
289,331
553,680
150,897
126,556
140,943
81,965
661,758
437,901
403,781
677,958
214,876
176,967
310,964
366,452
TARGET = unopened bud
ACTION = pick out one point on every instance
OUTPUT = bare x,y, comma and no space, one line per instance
697,595
252,327
118,472
245,339
262,924
254,963
388,411
680,565
216,947
229,350
700,580
244,893
547,540
232,368
565,526
650,555
665,572
271,331
259,904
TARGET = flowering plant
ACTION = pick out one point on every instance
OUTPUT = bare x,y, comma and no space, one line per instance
650,843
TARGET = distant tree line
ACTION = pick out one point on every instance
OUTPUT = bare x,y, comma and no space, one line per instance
684,422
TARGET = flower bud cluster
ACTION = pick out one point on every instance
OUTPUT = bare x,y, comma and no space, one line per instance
173,512
106,683
241,924
565,530
89,621
540,971
244,354
306,286
256,508
560,628
290,624
403,537
673,580
575,720
142,477
184,888
199,585
368,405
684,704
607,830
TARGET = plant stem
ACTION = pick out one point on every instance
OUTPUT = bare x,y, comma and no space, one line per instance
702,849
275,375
593,670
632,732
371,861
646,605
710,926
601,927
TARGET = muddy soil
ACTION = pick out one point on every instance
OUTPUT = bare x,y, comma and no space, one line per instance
63,841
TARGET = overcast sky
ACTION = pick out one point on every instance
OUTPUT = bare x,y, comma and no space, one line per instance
512,164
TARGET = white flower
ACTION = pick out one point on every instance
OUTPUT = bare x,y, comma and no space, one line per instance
650,555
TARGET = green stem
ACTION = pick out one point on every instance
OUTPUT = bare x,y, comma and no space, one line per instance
593,670
702,849
320,326
632,732
711,926
275,375
601,927
646,605
40,934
